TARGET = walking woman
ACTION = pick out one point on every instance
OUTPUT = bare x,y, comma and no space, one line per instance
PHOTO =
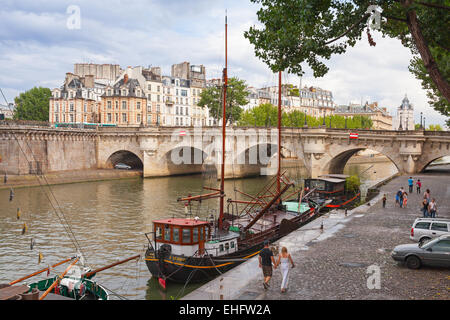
425,208
284,259
432,208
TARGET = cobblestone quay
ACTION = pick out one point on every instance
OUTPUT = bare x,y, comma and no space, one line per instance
336,268
336,262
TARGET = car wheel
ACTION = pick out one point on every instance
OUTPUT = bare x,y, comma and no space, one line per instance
423,241
413,262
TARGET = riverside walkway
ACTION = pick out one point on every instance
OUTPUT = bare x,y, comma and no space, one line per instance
333,263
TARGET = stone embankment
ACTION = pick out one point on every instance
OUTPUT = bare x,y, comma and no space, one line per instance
68,176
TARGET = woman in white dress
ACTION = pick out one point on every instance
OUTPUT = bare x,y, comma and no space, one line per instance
284,259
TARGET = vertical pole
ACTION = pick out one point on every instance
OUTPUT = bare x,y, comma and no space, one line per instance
279,133
222,169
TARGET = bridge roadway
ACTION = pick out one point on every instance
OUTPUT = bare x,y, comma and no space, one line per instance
163,151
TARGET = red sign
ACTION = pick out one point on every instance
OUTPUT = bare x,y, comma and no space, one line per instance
182,133
353,135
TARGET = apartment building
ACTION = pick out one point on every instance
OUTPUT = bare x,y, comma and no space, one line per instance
380,116
124,104
76,101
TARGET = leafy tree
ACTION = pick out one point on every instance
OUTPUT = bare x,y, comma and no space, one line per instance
352,184
33,104
296,31
266,115
435,127
236,97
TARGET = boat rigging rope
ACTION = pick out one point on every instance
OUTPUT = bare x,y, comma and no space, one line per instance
67,227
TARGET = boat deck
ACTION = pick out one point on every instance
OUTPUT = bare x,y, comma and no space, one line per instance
267,221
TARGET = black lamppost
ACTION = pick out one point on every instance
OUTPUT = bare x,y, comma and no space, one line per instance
305,124
323,124
345,122
421,120
330,121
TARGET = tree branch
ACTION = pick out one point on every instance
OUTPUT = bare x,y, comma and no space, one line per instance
367,15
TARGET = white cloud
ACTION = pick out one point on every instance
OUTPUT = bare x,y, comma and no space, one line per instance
38,49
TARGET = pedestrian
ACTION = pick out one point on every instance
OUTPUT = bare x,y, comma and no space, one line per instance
418,185
283,260
384,201
425,208
265,262
426,195
410,184
432,208
405,199
400,196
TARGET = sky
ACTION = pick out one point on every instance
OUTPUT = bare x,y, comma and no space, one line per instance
40,41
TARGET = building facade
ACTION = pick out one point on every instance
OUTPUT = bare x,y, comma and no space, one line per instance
77,101
124,104
380,117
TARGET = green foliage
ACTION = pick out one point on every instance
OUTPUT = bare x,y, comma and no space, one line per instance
266,115
352,184
435,127
292,32
236,97
33,104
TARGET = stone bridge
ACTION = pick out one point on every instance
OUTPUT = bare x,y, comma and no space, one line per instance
163,151
181,150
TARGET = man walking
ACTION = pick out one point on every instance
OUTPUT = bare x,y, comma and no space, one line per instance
400,197
418,184
265,262
410,184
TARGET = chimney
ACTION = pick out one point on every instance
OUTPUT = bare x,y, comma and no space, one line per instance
125,78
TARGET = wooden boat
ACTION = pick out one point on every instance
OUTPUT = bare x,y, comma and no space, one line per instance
75,283
331,187
193,249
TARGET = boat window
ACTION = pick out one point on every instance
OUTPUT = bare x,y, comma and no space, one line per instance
186,235
232,244
176,234
227,246
195,235
158,232
221,248
166,232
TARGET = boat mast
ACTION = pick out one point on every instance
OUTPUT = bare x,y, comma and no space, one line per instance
279,133
224,122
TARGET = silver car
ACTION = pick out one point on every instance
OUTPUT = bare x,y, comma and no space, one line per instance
425,229
433,253
122,166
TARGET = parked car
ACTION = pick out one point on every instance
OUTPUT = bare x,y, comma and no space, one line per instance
436,252
122,166
425,229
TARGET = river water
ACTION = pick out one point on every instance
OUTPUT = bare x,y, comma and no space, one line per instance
109,219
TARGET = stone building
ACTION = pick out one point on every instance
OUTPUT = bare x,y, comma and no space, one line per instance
380,116
109,72
76,101
124,104
405,116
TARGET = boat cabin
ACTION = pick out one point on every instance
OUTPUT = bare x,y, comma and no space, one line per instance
326,187
185,236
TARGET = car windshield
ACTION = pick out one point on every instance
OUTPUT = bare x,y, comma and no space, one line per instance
429,243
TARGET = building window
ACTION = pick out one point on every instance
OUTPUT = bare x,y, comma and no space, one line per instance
124,117
56,106
109,117
109,104
56,118
138,105
176,110
124,104
138,118
71,107
184,93
149,87
109,92
149,108
71,118
117,104
117,117
158,88
176,121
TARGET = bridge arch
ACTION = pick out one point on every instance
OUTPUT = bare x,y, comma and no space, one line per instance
337,160
125,157
183,160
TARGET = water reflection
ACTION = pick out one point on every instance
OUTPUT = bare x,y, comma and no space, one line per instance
109,219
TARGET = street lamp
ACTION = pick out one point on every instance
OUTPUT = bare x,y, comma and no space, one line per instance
421,120
345,122
305,124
